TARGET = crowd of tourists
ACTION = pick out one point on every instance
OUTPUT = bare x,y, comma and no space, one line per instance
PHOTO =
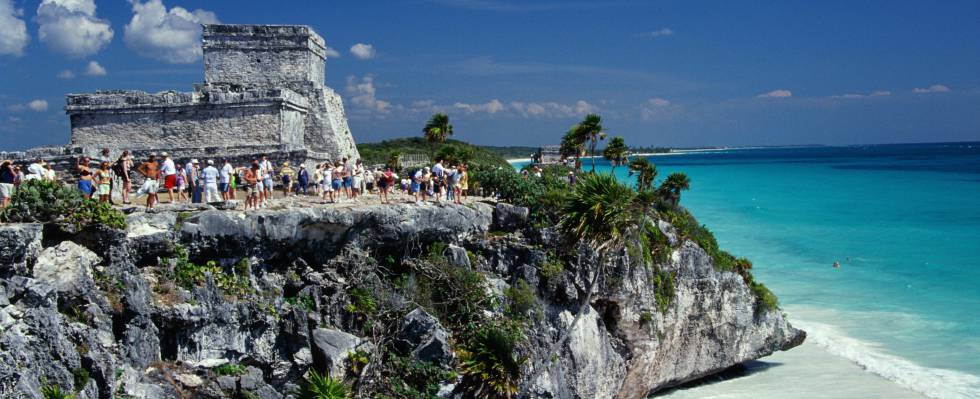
193,181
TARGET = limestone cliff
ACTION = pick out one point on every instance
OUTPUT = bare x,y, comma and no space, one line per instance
100,312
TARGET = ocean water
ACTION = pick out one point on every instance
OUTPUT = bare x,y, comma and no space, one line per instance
901,316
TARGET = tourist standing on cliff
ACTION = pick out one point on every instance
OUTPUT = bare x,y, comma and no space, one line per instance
288,175
224,179
266,170
438,179
121,168
103,182
384,180
464,181
337,184
7,178
357,179
169,170
105,157
327,185
253,186
151,184
210,178
302,179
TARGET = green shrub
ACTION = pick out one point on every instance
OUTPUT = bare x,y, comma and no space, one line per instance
766,301
356,361
663,289
646,317
551,268
80,376
362,302
44,201
488,363
409,378
319,386
229,369
55,392
520,298
188,275
305,301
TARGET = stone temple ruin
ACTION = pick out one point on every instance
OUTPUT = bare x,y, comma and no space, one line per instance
263,93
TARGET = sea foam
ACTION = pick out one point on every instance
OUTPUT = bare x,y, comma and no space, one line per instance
933,382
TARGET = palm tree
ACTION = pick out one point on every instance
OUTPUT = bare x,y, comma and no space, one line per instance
591,128
436,130
671,188
573,145
615,152
603,214
645,172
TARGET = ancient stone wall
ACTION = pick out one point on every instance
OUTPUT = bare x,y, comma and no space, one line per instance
262,55
136,120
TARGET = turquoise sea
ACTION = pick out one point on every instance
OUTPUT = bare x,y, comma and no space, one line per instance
901,316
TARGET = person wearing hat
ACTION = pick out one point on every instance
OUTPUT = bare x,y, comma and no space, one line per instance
169,171
210,177
302,179
193,171
288,175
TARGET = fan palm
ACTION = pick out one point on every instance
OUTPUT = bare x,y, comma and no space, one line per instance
437,130
591,128
573,145
645,172
615,152
671,188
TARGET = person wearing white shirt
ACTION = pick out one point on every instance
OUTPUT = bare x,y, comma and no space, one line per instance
169,171
224,179
210,176
266,169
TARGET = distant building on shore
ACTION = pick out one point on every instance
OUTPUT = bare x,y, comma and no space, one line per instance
549,154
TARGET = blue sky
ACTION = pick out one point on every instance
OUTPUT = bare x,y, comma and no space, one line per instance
520,73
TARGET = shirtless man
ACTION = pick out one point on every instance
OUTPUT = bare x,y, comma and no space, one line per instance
151,171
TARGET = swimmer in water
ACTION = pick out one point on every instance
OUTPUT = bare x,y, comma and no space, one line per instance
836,265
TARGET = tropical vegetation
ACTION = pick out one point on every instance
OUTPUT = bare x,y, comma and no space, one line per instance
45,201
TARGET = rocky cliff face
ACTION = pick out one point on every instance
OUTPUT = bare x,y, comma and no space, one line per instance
142,313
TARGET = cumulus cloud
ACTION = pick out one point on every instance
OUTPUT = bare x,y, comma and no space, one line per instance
172,36
363,51
70,27
931,89
13,30
330,52
363,94
38,105
94,69
66,74
659,33
781,93
491,107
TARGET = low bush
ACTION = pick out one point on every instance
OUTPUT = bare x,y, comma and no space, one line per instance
229,369
663,289
188,275
43,201
520,299
321,386
488,363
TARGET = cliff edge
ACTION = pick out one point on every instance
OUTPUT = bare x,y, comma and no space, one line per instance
210,303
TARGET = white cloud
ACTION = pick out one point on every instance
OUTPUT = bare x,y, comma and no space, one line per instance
655,108
931,89
363,94
16,107
363,51
38,105
330,52
851,96
70,27
66,74
94,69
172,36
552,109
781,93
13,30
658,33
491,107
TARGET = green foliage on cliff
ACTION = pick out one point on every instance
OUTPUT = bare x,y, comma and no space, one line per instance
488,364
188,275
520,299
663,283
476,157
409,378
43,201
322,386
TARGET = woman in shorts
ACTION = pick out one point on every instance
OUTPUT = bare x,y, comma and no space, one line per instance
103,181
252,186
